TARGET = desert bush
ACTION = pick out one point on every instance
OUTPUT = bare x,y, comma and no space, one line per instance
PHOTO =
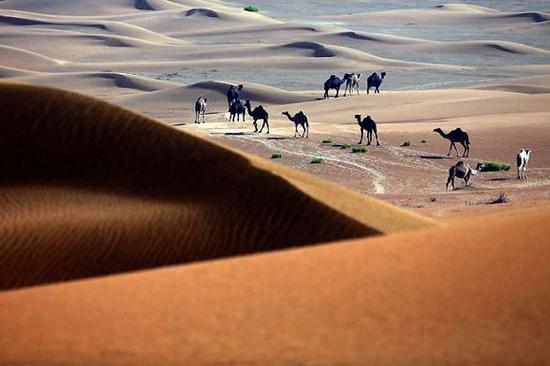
359,149
327,141
317,160
276,155
495,166
423,141
252,8
406,143
500,198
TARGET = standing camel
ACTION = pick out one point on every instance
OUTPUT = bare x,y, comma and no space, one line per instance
374,81
334,82
522,159
258,113
237,108
301,119
200,108
456,136
367,124
353,82
459,170
233,94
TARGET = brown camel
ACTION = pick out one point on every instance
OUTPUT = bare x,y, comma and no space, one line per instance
367,124
301,119
460,170
456,136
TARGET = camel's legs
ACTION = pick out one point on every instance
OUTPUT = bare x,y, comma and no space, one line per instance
296,131
361,141
457,153
451,181
450,147
255,126
369,136
377,142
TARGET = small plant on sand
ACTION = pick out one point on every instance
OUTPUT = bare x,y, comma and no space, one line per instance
252,8
423,141
500,198
359,149
406,143
495,166
317,160
433,199
276,155
345,146
327,141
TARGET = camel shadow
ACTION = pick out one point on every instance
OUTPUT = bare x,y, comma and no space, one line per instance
433,157
179,124
277,138
499,179
242,133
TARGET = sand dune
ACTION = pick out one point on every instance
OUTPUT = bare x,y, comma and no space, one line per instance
430,297
91,189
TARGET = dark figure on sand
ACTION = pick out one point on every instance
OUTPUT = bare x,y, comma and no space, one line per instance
367,124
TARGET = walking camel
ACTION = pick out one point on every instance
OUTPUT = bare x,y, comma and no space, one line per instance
367,124
334,82
236,109
258,113
301,119
353,82
460,170
456,136
522,159
233,94
200,108
374,81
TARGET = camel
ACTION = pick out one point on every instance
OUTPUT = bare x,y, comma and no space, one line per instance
258,113
334,82
460,170
236,109
522,160
367,124
301,119
200,108
374,81
233,94
353,83
456,136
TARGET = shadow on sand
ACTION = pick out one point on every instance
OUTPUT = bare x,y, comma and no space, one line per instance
433,157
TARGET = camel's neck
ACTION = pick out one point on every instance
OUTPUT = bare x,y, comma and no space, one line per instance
249,110
289,116
443,134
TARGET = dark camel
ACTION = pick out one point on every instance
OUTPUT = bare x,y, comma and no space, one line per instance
233,94
236,109
456,136
460,170
374,81
301,119
334,82
367,124
258,113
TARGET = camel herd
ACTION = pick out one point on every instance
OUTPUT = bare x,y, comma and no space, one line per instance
461,169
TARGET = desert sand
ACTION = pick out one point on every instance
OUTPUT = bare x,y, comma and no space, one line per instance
131,235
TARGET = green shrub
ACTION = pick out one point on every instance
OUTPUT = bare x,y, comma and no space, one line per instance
346,146
495,166
252,8
276,156
423,141
327,141
406,143
359,149
317,160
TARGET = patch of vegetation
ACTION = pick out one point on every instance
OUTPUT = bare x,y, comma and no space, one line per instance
406,143
346,146
276,156
423,141
495,166
500,198
433,199
252,8
359,149
317,160
327,141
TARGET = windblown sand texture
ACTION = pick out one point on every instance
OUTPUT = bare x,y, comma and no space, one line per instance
130,235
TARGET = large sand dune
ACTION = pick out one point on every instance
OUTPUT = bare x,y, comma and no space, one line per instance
471,293
93,189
